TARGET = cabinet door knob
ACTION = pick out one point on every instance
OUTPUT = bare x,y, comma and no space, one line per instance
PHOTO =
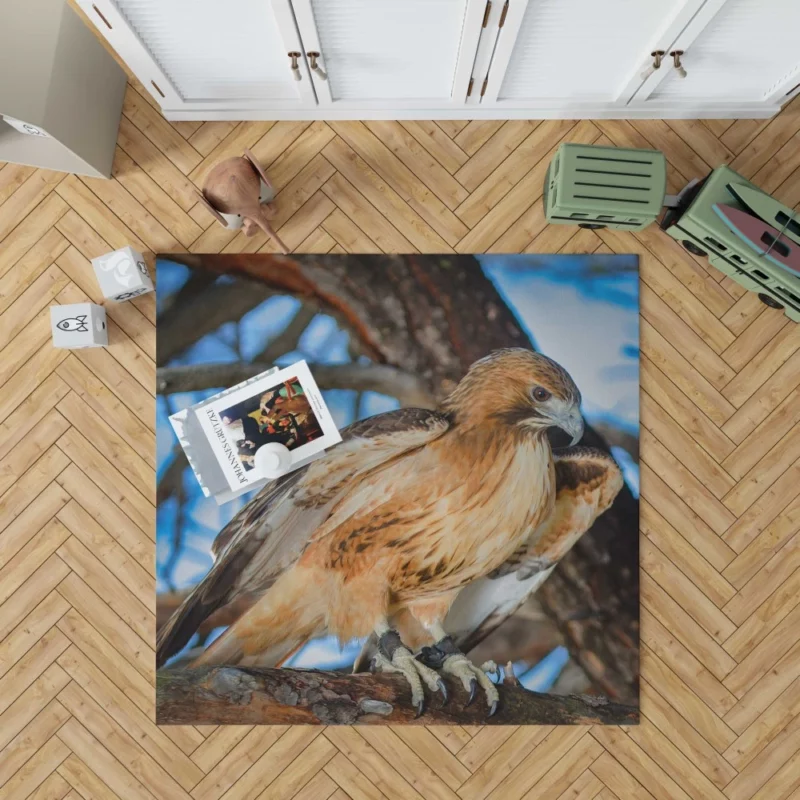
294,55
312,57
676,62
657,56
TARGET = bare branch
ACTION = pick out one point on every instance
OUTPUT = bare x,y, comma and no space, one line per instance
256,696
212,307
173,474
197,282
361,377
289,338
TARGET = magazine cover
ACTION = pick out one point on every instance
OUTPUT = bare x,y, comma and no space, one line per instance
284,408
467,554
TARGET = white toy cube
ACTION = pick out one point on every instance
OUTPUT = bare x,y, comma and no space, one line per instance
78,325
122,274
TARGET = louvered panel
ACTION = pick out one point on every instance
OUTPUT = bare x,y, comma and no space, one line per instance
582,49
229,50
748,49
387,49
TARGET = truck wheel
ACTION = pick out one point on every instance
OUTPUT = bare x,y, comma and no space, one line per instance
693,248
592,226
769,301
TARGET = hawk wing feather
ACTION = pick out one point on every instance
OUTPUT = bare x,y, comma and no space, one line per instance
270,532
587,481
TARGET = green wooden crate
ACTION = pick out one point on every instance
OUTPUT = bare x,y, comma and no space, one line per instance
701,231
605,187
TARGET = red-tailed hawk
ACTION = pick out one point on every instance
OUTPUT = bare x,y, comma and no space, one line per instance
389,528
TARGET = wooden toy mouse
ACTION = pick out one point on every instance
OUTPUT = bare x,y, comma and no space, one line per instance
237,192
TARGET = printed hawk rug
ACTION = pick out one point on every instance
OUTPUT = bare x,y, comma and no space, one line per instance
398,489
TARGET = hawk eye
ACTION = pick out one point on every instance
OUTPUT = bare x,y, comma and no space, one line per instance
540,394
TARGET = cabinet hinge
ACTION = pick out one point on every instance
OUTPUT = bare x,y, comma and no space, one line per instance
486,13
503,15
469,88
485,83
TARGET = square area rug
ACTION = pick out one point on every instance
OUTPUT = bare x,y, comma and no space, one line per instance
466,554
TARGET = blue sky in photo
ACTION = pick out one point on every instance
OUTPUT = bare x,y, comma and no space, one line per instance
580,310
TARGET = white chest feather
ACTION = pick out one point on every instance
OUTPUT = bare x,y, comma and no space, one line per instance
487,596
514,503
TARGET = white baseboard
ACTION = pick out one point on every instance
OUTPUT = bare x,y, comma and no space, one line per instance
650,111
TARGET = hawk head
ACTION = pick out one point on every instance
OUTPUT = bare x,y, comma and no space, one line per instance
519,388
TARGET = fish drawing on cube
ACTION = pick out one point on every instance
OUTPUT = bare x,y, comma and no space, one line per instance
78,325
122,274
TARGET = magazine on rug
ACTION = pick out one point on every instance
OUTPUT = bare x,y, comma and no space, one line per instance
223,434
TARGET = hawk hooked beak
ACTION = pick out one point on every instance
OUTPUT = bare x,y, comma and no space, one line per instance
570,421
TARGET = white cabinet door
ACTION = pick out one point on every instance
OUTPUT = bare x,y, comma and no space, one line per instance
579,54
736,52
206,55
386,54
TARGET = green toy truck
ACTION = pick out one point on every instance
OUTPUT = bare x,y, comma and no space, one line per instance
702,232
599,187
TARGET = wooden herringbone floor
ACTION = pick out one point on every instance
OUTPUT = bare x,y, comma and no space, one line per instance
720,451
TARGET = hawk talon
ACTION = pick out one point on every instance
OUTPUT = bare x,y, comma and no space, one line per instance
435,655
447,658
394,656
431,657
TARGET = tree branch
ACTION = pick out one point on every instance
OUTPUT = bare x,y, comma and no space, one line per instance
256,696
289,338
361,377
172,477
183,325
197,282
